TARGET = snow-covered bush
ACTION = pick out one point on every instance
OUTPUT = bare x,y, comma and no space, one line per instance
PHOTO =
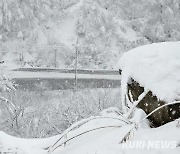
5,83
150,79
48,113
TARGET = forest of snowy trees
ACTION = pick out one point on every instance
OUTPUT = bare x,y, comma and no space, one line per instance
37,31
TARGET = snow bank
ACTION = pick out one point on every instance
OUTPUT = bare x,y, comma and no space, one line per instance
107,141
11,144
155,67
102,141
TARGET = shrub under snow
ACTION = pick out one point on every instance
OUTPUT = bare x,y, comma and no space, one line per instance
155,67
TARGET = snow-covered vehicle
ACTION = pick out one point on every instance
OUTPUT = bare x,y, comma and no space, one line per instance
154,72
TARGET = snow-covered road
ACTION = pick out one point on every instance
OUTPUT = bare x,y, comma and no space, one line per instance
26,74
61,79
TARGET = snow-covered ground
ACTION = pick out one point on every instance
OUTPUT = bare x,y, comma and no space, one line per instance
106,140
155,67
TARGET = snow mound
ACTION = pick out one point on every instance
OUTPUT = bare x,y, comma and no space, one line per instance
101,141
155,67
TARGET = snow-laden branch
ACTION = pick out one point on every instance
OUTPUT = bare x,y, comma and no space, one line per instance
135,103
69,139
10,103
172,103
129,134
83,121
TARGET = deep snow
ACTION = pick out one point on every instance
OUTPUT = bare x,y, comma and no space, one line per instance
160,140
155,67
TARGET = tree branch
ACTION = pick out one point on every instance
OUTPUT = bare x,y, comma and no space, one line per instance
135,103
83,121
67,140
172,103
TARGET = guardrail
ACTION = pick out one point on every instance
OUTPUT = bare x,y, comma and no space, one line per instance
62,79
66,70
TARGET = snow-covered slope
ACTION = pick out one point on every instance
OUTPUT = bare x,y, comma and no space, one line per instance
103,37
65,30
106,140
90,17
155,67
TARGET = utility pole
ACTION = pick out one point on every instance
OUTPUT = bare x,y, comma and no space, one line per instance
80,35
20,36
76,64
55,58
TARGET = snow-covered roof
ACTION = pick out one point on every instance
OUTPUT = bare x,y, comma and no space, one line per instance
156,67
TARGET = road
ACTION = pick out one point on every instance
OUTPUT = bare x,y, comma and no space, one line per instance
61,79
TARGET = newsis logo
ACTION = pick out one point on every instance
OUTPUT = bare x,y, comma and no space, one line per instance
150,145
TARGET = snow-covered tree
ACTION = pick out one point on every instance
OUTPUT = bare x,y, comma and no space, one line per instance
159,20
109,27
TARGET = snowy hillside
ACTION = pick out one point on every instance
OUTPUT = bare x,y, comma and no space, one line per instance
103,37
48,30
